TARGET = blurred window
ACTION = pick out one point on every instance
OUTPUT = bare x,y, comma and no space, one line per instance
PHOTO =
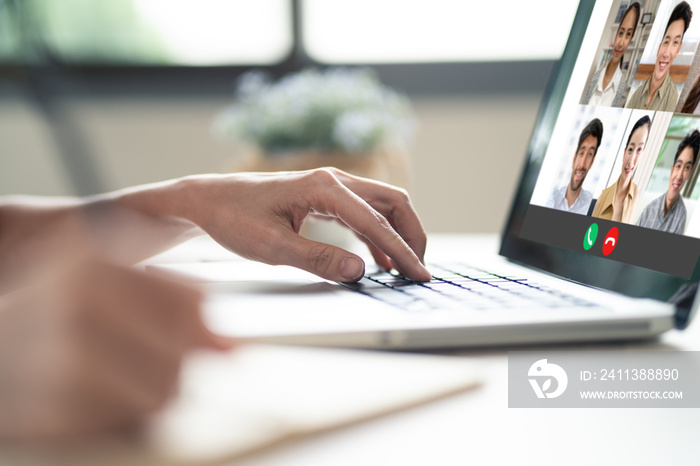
415,31
158,32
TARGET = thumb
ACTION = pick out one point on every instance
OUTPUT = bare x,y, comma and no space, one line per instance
326,261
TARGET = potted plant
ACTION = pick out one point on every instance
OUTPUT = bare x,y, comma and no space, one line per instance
341,117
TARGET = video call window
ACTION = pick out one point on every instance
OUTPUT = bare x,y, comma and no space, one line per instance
624,150
672,184
629,140
640,153
646,58
619,52
644,54
673,42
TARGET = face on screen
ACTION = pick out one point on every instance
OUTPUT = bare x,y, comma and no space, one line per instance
680,172
669,48
634,150
583,160
623,36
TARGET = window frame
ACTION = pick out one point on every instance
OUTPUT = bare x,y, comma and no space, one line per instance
415,79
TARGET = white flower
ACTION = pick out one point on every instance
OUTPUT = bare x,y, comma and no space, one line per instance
336,109
358,130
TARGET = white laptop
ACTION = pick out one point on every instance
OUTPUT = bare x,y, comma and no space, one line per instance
562,274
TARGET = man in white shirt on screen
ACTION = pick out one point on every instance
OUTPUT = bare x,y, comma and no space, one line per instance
572,197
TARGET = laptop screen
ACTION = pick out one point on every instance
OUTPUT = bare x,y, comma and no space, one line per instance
610,192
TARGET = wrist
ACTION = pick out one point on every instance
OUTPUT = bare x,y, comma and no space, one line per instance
168,205
188,198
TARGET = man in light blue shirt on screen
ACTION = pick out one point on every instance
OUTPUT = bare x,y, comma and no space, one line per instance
668,212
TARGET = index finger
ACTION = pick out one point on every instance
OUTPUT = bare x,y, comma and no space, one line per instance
394,204
361,217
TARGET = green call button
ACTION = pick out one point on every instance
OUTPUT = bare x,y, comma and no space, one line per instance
590,237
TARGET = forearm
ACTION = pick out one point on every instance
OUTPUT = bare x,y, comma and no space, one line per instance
163,202
142,221
126,226
33,231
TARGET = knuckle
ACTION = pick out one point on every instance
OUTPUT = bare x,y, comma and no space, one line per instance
331,170
381,220
337,172
324,188
402,195
324,176
320,258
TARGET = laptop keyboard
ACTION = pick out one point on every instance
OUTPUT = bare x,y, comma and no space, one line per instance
462,286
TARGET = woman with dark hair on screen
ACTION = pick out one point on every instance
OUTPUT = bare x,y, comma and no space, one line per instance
607,86
693,99
617,201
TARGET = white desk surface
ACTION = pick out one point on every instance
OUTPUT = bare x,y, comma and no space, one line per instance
477,427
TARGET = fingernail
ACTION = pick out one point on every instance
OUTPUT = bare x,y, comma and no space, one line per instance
352,269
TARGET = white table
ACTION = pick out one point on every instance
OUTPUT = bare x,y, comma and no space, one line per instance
477,427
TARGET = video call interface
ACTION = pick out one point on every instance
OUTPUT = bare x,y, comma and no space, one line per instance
619,178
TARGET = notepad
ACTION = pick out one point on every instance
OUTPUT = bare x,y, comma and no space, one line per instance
258,396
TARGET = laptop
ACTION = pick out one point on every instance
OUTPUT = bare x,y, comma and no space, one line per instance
569,268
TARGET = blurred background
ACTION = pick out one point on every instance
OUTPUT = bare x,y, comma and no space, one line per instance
97,95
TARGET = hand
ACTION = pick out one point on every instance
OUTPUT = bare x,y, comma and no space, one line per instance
258,216
96,348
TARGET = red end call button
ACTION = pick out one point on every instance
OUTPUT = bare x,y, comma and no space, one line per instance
610,241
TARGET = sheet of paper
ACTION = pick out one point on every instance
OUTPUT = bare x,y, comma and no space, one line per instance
259,395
